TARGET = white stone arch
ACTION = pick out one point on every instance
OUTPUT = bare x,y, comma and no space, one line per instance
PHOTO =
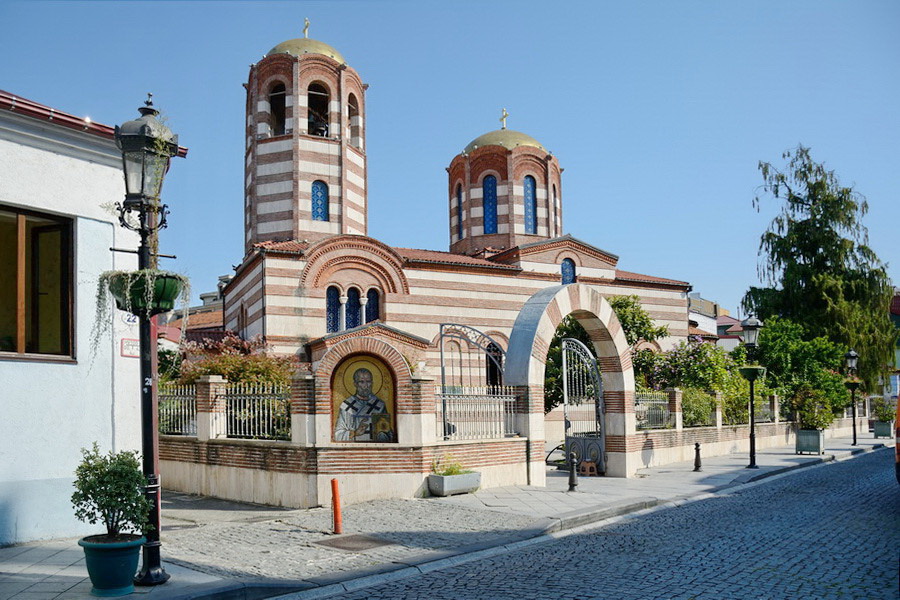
527,355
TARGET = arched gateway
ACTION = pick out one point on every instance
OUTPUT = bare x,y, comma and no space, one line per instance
527,356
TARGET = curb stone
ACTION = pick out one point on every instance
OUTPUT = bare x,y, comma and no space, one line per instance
567,524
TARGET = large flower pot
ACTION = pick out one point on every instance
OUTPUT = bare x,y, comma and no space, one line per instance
810,440
448,485
131,294
884,429
111,565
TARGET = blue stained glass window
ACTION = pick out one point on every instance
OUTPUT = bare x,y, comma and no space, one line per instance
490,204
530,205
319,201
459,213
353,308
373,310
568,271
332,309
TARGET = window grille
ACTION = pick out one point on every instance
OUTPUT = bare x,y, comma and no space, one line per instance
319,201
530,205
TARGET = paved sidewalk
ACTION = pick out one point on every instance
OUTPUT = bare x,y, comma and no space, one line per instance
219,549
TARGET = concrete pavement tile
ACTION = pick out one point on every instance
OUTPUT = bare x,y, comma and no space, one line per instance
35,595
9,588
57,585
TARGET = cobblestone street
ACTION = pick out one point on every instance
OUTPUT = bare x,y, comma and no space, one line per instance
828,532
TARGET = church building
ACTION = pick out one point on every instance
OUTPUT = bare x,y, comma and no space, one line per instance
407,356
311,270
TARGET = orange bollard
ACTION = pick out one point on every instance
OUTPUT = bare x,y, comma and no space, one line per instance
336,506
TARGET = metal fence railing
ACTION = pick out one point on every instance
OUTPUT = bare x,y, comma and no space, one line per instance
764,414
475,413
651,410
177,409
257,411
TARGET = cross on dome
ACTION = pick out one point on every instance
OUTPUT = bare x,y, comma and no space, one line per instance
503,116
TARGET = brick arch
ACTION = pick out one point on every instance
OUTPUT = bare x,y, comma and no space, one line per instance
370,255
536,324
373,347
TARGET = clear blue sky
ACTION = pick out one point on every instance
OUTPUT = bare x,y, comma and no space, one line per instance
658,111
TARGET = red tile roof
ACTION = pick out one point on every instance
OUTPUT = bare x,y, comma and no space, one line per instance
629,276
292,246
726,320
449,258
33,109
701,333
895,305
201,320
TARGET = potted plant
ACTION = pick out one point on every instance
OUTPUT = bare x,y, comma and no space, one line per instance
883,411
109,490
448,478
148,291
814,415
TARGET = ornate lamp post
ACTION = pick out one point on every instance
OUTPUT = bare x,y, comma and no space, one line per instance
751,327
851,359
147,146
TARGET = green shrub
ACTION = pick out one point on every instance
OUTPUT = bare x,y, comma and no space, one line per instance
812,407
883,410
110,489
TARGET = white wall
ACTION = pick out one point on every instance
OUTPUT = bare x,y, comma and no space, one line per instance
53,409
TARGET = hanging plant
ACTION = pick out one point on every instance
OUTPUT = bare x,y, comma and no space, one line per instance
145,292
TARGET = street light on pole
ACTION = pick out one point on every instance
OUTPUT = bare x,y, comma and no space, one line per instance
147,146
851,359
751,373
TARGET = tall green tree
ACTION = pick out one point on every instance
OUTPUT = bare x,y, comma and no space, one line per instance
818,267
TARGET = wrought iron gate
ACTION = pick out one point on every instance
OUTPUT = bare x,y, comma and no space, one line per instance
472,401
583,404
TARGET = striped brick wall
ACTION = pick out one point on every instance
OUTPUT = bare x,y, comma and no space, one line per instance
281,169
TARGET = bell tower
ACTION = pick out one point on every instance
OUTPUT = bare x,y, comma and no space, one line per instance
504,191
305,161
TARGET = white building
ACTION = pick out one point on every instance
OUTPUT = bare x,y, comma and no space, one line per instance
56,170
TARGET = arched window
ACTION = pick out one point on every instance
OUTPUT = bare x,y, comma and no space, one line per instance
276,108
373,308
489,187
319,201
355,121
494,365
459,212
568,271
353,308
317,109
530,205
332,309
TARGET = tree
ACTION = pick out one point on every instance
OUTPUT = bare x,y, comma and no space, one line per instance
793,362
820,271
636,322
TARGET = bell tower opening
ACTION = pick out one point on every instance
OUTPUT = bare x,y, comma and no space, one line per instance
277,109
318,101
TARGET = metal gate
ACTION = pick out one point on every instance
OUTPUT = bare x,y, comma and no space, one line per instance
583,404
472,401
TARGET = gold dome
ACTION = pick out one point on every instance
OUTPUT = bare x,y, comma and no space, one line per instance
301,46
507,138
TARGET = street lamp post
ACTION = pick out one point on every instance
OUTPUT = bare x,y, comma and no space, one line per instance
751,373
851,359
147,146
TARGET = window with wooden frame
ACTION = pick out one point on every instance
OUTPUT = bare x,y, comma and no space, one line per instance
36,290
